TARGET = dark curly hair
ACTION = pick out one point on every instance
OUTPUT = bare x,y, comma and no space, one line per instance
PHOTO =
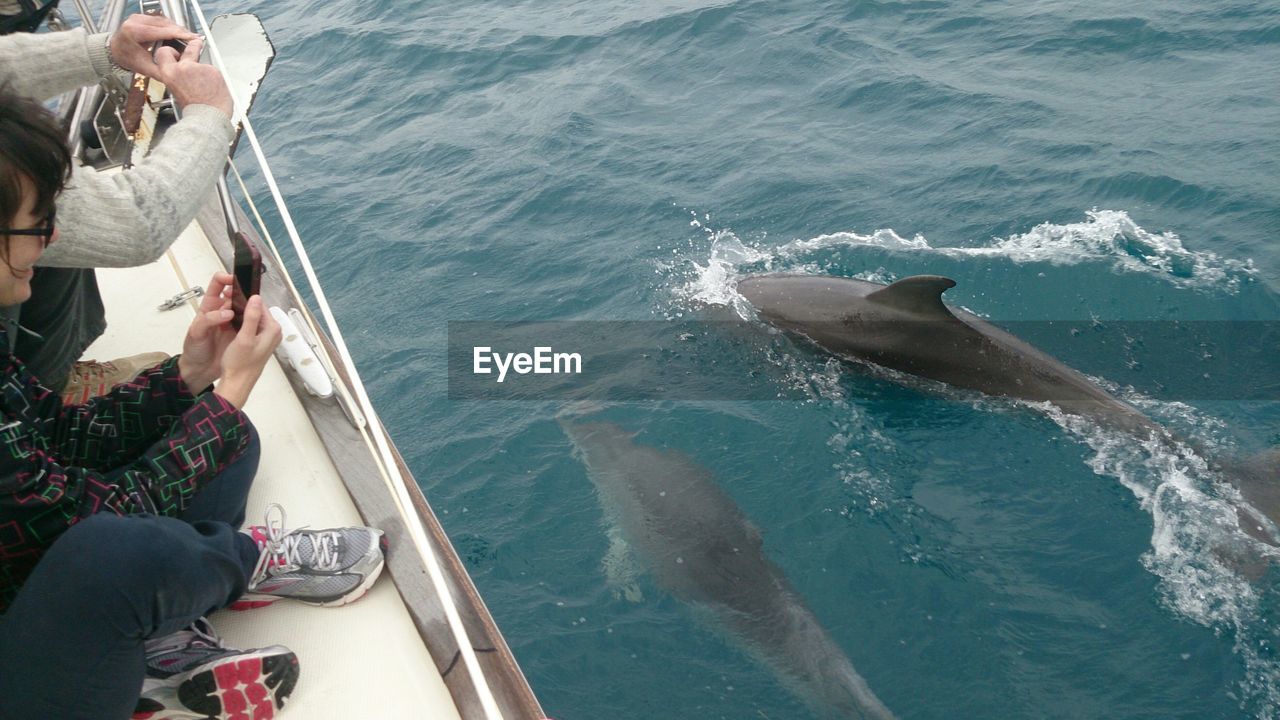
33,149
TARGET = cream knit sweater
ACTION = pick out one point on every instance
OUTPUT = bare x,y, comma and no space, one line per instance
127,218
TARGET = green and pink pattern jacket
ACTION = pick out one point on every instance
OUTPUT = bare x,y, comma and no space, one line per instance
146,447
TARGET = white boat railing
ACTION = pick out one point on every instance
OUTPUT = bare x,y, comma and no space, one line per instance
372,431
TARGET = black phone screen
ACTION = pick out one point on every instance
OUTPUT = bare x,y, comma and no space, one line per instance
247,269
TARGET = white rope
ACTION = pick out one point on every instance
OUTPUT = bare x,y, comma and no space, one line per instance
391,470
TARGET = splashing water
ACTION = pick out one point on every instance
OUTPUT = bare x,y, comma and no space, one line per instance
717,280
1194,535
1107,236
1113,235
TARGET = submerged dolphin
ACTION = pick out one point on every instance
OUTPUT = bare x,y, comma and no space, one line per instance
701,548
906,327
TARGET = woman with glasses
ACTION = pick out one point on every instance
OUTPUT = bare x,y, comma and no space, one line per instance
118,518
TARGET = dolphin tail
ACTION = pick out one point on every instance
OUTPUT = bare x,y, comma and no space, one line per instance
825,675
1268,461
1258,479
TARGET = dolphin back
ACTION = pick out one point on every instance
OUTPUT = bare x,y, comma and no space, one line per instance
1258,479
906,327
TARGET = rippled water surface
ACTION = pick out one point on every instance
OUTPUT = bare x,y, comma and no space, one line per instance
629,161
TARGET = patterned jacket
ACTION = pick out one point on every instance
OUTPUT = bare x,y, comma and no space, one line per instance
147,447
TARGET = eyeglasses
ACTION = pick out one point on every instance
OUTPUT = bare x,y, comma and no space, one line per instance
44,232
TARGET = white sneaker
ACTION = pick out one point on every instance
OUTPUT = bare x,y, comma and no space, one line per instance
318,567
192,676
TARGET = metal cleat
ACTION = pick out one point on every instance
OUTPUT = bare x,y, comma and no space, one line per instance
180,298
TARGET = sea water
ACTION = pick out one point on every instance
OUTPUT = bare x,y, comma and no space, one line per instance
566,160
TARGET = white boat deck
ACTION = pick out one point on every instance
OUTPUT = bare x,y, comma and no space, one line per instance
363,660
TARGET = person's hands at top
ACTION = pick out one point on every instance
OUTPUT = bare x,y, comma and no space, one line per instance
131,44
190,81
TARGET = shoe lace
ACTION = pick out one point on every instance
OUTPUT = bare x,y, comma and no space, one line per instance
202,634
281,552
199,633
92,369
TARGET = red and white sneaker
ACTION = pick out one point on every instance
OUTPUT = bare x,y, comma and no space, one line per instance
318,567
192,676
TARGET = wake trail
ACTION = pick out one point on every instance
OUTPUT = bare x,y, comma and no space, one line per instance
1111,237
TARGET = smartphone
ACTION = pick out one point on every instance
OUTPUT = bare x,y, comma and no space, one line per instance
247,269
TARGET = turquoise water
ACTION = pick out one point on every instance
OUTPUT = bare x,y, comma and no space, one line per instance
617,161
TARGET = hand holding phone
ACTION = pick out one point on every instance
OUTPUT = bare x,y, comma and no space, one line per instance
247,354
133,44
179,46
201,360
212,350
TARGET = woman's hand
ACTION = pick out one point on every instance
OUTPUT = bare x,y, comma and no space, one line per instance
244,358
209,335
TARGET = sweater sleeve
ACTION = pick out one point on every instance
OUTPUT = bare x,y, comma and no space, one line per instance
44,65
130,218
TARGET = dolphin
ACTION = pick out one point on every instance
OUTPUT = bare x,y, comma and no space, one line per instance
905,326
700,547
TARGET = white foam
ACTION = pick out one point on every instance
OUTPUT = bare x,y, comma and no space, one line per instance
716,281
1113,236
883,238
1106,236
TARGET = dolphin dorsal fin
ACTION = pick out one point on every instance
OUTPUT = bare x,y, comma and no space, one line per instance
920,294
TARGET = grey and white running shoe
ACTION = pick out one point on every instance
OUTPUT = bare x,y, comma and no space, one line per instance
318,567
192,676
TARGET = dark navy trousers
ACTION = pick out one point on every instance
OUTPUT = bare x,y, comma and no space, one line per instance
71,644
